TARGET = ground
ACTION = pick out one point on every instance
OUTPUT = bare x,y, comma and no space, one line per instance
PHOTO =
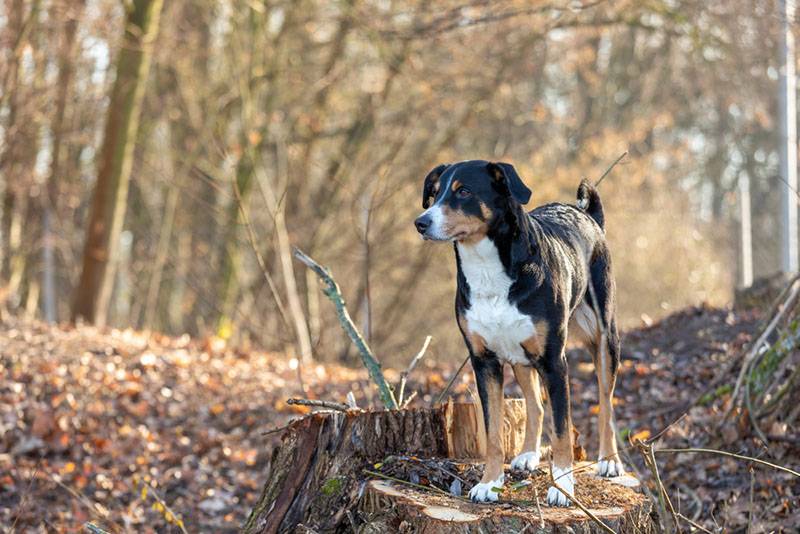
138,432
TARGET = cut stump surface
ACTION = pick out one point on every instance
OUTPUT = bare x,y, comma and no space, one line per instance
394,507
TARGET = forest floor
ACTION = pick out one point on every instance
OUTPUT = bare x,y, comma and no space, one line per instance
136,432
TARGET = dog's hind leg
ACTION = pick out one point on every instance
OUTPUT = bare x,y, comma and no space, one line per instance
528,380
489,378
606,355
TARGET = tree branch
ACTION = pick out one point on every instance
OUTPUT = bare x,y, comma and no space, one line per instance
333,292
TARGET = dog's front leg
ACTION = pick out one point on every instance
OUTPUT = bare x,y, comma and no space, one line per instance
489,378
554,372
528,379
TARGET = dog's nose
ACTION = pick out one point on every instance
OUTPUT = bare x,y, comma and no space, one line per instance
422,223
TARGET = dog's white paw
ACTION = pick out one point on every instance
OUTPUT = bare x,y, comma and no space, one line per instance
527,461
486,491
610,468
566,481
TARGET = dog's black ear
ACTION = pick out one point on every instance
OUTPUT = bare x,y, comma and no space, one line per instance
431,185
506,175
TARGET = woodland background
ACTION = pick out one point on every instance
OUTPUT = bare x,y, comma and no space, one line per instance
323,118
160,159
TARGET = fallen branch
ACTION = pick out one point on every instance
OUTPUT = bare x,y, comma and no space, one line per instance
333,292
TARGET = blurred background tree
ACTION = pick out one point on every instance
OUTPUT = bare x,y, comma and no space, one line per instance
314,122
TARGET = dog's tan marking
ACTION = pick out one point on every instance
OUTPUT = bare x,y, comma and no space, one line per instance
528,380
605,387
486,211
467,228
535,344
476,342
435,186
562,447
455,185
584,326
494,442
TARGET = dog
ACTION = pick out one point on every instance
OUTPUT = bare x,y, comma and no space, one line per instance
524,281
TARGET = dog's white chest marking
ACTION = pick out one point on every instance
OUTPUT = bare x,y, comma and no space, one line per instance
490,314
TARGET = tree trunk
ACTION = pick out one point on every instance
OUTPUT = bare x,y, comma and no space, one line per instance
317,478
111,191
65,72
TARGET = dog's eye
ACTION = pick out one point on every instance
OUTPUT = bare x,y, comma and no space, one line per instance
463,192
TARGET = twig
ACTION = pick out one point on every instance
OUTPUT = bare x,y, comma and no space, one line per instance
94,529
750,515
572,498
411,366
696,498
751,415
665,504
732,455
279,428
352,521
450,383
333,292
409,399
94,508
22,501
418,486
177,519
696,525
319,404
251,237
539,510
610,168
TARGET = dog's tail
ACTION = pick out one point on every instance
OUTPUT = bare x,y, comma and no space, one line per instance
589,201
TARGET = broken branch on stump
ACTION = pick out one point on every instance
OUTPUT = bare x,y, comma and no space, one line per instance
333,292
410,368
450,383
320,404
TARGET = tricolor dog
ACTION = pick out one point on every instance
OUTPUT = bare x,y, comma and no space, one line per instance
524,281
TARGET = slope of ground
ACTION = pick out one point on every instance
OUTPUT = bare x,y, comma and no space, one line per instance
139,432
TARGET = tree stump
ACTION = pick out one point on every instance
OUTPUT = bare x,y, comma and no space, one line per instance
317,478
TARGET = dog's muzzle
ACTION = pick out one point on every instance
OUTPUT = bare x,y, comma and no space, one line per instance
423,222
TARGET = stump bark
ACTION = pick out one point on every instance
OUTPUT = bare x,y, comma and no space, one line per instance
317,477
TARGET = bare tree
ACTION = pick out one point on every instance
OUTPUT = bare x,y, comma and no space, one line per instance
111,189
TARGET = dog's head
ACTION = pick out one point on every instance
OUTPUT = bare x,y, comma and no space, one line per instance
463,200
